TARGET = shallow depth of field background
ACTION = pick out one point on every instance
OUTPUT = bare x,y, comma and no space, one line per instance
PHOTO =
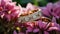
23,3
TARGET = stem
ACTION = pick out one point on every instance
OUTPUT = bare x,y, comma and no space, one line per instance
42,32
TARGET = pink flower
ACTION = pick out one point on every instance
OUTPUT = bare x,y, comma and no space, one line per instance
7,0
8,10
31,24
30,7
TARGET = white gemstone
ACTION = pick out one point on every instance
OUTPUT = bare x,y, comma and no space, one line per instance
26,18
40,13
34,16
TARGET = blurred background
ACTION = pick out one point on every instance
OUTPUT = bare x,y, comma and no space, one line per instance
23,3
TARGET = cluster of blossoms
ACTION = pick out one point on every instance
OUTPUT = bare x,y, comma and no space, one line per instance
37,27
28,10
52,10
40,26
10,12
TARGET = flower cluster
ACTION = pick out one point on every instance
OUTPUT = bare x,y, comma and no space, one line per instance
39,26
9,13
52,10
8,10
28,10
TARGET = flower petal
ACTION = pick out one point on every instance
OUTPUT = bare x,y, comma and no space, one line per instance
45,32
36,30
45,11
54,19
53,28
14,32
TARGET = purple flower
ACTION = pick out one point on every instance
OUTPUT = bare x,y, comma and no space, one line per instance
52,10
14,32
47,10
36,30
54,25
38,26
56,10
29,29
49,26
42,25
45,32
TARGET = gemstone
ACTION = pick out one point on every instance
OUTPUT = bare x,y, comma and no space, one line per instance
26,18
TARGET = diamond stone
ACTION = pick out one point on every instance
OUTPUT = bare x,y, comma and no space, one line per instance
26,18
34,16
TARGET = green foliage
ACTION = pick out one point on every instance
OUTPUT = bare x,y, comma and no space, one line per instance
35,2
